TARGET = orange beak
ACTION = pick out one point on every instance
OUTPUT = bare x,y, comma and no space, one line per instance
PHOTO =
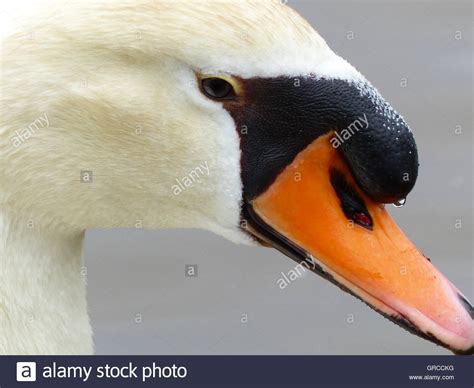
315,213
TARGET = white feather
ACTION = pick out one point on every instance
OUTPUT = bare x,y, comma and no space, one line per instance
116,80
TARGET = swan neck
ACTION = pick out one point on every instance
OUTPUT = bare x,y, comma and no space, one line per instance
43,307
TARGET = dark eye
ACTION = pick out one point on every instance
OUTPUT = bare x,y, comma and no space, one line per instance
218,88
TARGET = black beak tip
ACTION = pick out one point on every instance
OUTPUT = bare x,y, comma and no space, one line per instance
468,352
467,305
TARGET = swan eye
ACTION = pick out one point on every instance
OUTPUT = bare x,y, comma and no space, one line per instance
218,88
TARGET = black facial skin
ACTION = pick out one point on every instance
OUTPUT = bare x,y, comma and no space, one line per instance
279,117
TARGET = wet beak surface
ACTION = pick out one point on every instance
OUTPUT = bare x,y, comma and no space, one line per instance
315,210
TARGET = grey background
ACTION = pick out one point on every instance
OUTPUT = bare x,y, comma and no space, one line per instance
142,272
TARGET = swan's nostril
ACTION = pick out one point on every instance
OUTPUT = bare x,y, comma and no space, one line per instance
351,203
363,219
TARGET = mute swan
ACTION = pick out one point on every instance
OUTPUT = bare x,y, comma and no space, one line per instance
111,101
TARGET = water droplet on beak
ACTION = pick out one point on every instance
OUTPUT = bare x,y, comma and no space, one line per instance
400,203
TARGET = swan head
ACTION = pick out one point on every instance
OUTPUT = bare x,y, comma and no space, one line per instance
234,117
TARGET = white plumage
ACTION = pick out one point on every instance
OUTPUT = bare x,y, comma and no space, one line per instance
117,82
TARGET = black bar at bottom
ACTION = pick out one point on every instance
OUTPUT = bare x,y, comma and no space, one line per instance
237,371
